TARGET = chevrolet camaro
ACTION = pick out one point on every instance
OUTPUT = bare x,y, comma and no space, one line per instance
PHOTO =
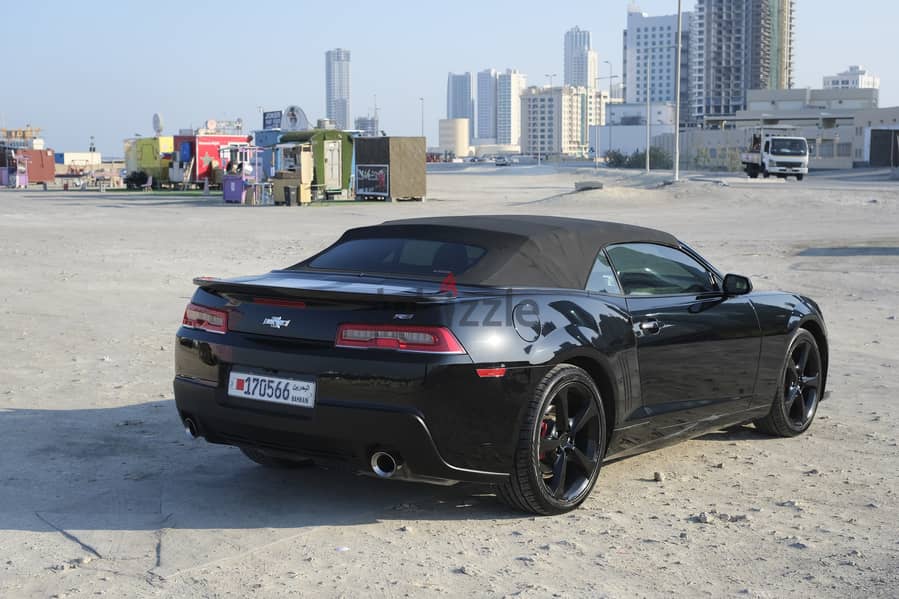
516,351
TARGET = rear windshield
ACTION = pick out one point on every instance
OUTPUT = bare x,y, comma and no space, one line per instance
399,256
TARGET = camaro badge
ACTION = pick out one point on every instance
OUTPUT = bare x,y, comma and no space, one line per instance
276,322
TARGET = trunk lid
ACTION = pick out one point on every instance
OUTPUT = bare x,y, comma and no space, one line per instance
300,306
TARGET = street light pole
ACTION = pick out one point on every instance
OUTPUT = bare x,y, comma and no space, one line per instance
422,100
677,95
596,95
648,108
608,121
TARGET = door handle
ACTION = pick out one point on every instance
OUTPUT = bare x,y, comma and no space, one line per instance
650,327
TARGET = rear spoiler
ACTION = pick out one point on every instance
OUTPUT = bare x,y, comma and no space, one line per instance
339,291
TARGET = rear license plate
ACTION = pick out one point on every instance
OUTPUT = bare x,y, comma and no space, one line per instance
293,392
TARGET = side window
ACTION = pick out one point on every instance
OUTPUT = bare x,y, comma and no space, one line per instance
602,278
650,269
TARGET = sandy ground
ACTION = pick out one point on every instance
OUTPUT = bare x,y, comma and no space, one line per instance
102,494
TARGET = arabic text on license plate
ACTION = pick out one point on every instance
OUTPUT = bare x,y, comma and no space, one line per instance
266,388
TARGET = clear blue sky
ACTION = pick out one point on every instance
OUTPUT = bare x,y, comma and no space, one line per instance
102,68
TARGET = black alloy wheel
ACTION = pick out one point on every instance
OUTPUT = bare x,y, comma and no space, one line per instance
561,445
794,409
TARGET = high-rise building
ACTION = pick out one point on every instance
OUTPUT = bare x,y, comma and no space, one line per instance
552,120
487,104
509,86
581,62
368,125
650,56
735,46
856,77
459,103
337,87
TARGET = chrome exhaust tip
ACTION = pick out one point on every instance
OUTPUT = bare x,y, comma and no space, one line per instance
383,464
190,428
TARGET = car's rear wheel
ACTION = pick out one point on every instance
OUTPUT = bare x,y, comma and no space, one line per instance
561,444
796,404
270,461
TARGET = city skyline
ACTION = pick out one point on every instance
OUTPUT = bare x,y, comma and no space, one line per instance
115,97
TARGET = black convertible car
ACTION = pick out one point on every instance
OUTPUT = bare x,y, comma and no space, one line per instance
518,351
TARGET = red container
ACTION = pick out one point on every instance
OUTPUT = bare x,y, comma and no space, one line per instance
41,167
204,149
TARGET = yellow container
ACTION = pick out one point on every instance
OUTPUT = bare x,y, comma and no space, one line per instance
145,154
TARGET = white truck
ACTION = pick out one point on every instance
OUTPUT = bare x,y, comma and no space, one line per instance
774,153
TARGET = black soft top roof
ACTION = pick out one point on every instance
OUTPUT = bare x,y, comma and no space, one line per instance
522,250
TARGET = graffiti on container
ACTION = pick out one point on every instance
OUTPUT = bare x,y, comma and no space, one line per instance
372,179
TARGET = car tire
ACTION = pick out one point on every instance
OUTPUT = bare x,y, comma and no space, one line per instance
566,420
802,377
270,461
799,177
765,173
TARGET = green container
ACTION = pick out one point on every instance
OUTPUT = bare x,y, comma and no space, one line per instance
318,138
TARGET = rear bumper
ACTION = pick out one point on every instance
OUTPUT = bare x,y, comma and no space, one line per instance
435,411
340,431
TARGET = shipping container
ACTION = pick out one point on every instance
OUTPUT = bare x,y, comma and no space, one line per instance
390,168
40,164
202,153
332,157
150,155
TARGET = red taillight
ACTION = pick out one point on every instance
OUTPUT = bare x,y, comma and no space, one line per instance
491,373
431,340
206,319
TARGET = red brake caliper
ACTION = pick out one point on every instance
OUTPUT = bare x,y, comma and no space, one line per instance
543,429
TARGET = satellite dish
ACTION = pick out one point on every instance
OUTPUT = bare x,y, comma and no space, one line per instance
157,123
211,124
295,119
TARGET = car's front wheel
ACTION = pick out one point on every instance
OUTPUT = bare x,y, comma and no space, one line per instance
561,444
796,404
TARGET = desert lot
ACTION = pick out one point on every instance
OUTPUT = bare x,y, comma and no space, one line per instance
101,492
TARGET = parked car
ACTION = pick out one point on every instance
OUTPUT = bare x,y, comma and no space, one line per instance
517,351
502,161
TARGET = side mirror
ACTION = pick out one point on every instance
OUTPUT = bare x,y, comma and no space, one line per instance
736,285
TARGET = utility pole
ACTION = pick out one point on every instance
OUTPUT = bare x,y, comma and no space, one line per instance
677,58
